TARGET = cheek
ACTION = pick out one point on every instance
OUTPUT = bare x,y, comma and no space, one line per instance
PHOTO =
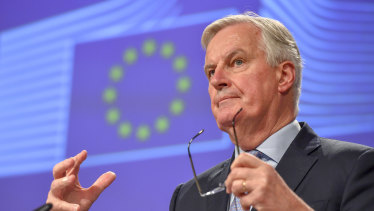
254,92
250,95
211,93
260,95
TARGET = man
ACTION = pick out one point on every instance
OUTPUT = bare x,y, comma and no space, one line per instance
253,63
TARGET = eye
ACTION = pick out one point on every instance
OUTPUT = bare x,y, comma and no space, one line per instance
238,62
211,73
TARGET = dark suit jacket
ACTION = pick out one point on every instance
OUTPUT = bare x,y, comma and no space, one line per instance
327,174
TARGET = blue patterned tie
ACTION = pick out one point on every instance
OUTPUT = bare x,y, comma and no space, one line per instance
260,155
235,205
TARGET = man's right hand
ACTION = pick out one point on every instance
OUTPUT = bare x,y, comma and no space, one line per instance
67,194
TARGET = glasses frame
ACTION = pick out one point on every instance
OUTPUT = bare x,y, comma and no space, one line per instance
221,187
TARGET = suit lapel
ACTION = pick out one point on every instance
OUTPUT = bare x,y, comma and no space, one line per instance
218,202
298,159
293,167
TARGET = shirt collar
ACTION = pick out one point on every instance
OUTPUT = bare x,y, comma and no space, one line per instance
276,145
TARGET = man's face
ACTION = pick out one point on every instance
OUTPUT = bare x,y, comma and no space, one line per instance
239,76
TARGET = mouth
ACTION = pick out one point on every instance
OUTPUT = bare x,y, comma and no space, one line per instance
225,98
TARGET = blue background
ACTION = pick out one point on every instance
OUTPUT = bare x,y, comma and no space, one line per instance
55,61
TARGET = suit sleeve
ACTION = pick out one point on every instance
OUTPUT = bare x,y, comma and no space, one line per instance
173,201
359,191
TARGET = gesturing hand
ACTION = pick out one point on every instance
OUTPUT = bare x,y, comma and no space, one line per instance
258,184
67,194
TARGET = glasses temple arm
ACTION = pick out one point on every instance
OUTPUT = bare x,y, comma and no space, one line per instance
193,167
233,126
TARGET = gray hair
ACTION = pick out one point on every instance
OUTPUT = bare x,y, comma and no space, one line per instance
277,42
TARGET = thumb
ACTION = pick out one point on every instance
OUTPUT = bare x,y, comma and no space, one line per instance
100,184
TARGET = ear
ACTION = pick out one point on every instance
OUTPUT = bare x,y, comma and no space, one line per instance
286,76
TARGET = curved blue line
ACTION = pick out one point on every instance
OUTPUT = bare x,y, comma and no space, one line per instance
326,121
35,108
312,108
159,152
68,18
332,88
49,59
347,6
44,72
26,143
124,14
35,97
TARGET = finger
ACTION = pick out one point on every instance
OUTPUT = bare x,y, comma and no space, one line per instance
78,160
242,187
246,160
239,173
59,205
59,186
101,183
81,157
248,200
60,169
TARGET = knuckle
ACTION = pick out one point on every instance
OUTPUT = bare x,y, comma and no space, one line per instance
235,189
262,181
268,173
265,181
268,168
234,173
55,168
245,203
237,184
54,185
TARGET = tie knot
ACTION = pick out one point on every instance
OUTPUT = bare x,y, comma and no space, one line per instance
260,155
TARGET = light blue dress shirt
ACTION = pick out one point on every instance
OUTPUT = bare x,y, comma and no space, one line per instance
276,145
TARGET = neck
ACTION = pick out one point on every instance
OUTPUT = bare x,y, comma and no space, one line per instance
252,133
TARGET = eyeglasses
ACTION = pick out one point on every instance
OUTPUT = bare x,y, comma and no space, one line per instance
221,187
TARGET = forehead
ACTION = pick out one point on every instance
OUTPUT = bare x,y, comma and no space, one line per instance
244,36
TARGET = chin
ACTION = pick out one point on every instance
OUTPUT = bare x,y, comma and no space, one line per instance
224,124
225,114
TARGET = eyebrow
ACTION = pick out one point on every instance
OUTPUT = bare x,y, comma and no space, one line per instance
208,66
226,57
233,53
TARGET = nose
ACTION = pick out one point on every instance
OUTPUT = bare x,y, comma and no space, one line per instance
220,79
